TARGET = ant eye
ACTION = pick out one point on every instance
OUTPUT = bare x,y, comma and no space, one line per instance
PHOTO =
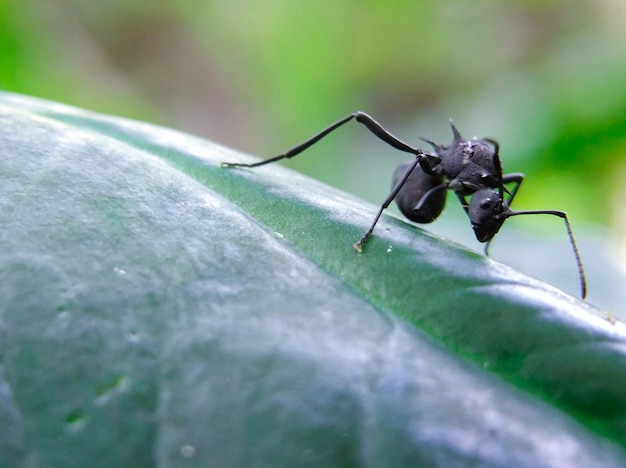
485,203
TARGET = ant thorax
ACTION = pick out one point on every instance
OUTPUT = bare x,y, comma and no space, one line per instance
467,164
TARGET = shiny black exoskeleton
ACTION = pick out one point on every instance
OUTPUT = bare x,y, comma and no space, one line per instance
470,168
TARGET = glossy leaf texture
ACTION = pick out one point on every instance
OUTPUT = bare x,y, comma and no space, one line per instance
158,310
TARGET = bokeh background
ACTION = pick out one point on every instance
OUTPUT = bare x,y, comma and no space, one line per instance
547,79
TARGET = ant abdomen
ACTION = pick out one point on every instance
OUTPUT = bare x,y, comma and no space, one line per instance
417,185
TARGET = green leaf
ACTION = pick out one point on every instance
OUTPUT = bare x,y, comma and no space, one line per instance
156,309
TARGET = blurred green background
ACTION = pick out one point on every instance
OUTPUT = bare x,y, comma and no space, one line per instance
547,79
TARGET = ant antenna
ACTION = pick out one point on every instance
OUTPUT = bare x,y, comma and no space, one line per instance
572,241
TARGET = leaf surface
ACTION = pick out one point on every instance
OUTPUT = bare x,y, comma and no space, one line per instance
156,309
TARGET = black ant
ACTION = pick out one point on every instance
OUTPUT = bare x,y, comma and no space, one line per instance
470,168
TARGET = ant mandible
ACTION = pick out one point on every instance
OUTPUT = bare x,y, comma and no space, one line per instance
470,168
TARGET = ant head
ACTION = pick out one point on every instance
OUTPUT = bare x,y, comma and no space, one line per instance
487,212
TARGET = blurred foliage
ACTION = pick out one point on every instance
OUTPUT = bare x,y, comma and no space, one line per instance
545,78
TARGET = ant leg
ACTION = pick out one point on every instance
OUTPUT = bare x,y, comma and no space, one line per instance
360,117
568,227
290,153
394,191
498,165
429,193
515,178
463,202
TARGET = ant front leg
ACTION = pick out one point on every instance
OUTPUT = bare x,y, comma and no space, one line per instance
514,178
463,202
